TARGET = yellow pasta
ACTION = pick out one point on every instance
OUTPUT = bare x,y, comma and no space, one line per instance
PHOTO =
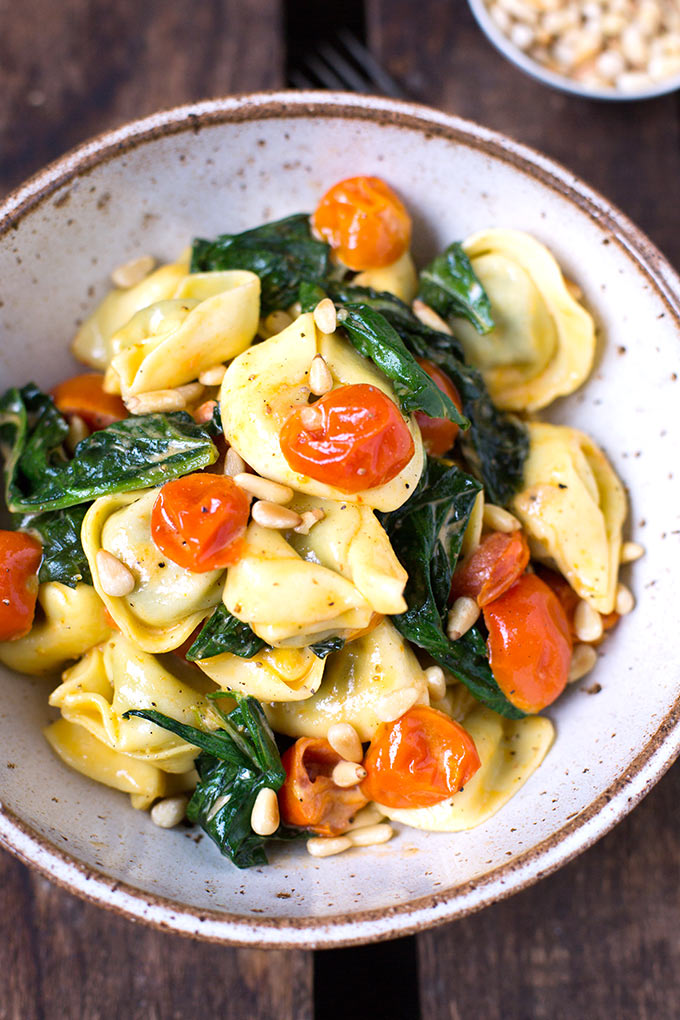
275,674
399,278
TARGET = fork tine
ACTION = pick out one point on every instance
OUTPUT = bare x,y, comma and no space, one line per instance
352,79
300,81
370,65
325,74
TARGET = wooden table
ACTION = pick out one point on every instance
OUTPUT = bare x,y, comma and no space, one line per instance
600,939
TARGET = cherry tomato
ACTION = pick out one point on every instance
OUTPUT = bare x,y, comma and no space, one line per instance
364,222
439,434
570,599
84,395
199,521
529,643
492,568
419,760
356,439
20,556
309,797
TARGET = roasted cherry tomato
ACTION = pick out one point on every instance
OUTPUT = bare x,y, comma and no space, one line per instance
570,599
199,521
529,643
20,556
492,568
439,434
419,760
364,222
354,438
84,395
309,797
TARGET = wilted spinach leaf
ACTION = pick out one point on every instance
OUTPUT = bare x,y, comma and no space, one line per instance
323,648
64,559
224,633
450,286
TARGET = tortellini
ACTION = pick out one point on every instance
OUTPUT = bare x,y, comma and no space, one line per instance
168,602
356,680
510,750
263,386
543,343
274,674
573,507
399,278
69,621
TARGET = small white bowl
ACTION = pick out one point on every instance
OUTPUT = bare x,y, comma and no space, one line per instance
561,81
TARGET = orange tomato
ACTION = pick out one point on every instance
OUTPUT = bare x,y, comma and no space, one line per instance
493,567
419,760
364,222
199,521
529,643
20,556
439,434
84,395
570,599
353,438
309,798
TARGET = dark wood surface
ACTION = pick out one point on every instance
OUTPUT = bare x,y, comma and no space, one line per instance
601,938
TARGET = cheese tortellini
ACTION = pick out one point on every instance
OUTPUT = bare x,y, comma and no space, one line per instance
543,343
274,674
399,278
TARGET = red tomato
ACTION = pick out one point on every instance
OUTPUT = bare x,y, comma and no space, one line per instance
356,439
439,434
199,521
529,643
84,395
20,557
419,760
494,567
309,798
364,222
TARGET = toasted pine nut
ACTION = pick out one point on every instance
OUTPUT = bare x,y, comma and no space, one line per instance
77,431
309,519
234,463
631,551
133,272
311,417
625,603
212,376
587,622
325,316
371,835
169,812
436,682
322,846
394,705
114,577
369,815
583,659
429,317
271,515
276,322
155,401
497,519
320,378
463,614
344,739
348,773
263,488
191,392
264,818
295,310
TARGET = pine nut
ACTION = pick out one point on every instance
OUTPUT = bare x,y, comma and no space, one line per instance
191,392
311,417
631,551
320,378
212,376
372,835
168,813
234,463
522,35
369,815
325,316
271,515
344,739
428,316
436,682
323,846
264,818
394,705
263,488
497,519
625,603
348,773
309,519
463,614
77,431
133,272
114,577
583,659
155,401
587,622
276,322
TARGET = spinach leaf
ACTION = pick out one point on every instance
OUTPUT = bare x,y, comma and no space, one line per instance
63,557
236,761
224,633
426,534
323,648
282,254
450,286
309,295
131,454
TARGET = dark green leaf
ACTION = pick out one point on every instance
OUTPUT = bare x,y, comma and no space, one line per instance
309,295
224,633
323,648
63,557
450,286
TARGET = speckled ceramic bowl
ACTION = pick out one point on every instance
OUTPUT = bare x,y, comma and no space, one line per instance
233,163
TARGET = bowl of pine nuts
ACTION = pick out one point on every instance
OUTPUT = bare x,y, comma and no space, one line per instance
600,49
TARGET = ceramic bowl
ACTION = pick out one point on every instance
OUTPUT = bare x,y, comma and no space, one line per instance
233,163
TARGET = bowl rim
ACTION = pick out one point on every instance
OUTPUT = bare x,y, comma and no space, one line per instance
562,82
581,831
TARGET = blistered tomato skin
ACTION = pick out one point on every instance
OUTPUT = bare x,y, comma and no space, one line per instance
439,434
354,438
419,760
20,557
529,643
497,562
365,223
309,798
199,521
85,396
